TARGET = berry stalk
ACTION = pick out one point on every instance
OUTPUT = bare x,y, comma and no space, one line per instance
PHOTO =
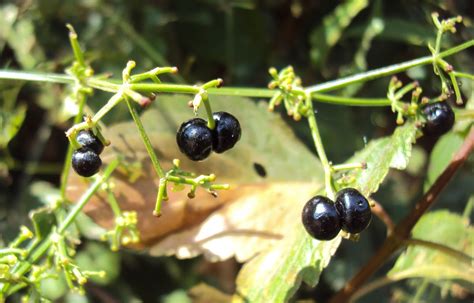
313,125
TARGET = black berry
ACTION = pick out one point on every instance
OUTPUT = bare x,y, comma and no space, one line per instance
320,218
194,139
439,118
86,162
226,133
353,209
88,140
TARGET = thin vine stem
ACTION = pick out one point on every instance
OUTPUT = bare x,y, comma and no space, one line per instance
146,140
112,85
313,125
385,71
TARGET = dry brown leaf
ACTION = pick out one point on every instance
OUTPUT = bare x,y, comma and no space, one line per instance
256,220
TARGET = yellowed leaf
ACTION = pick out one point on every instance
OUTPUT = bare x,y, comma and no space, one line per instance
256,220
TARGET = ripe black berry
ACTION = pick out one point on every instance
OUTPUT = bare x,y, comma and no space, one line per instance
353,209
86,162
226,133
439,118
194,139
320,218
88,140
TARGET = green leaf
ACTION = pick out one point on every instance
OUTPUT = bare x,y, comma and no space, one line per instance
441,227
274,275
324,37
10,123
382,154
441,155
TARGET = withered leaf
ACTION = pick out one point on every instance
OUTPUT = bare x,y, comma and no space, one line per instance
266,143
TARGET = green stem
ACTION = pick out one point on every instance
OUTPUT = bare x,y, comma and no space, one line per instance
385,71
114,86
154,159
463,75
313,125
23,267
76,48
81,99
210,119
114,100
348,166
113,203
10,251
337,100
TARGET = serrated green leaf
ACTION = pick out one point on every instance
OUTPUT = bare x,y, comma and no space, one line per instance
324,37
274,275
441,227
382,154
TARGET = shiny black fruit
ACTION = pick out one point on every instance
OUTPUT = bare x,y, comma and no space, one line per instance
226,133
439,118
320,218
88,140
86,162
194,139
353,209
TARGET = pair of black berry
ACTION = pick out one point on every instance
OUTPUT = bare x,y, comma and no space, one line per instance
323,219
196,140
439,118
85,160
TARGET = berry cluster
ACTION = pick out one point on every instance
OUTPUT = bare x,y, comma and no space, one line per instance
85,160
197,141
323,219
439,118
